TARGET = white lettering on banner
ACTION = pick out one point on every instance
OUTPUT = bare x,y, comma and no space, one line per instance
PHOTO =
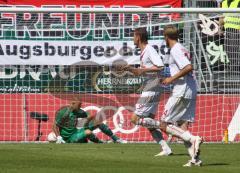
25,37
208,26
77,25
10,71
17,88
234,127
70,52
217,52
117,116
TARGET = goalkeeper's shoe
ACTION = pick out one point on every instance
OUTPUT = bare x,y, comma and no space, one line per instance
60,140
191,163
120,141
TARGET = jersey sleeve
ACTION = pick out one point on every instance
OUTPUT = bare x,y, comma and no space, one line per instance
181,57
58,119
82,114
59,115
155,58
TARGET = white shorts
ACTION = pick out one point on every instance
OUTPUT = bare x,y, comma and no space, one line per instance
147,104
179,109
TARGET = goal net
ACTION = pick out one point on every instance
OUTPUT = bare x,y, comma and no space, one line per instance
50,57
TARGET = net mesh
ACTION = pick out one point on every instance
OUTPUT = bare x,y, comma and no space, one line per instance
49,59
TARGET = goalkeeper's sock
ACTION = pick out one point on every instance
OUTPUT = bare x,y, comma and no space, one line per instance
148,122
114,138
94,138
107,131
178,132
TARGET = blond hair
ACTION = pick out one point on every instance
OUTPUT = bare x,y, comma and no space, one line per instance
171,32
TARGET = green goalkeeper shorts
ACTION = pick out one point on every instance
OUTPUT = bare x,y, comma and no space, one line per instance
91,126
78,137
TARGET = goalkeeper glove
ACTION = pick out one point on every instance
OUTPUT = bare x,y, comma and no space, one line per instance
60,140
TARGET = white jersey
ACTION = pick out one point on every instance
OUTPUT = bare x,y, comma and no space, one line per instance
149,57
186,85
147,104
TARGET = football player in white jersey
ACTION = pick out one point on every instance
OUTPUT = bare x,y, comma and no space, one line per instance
146,106
180,107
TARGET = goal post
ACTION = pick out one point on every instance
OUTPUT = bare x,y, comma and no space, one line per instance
50,56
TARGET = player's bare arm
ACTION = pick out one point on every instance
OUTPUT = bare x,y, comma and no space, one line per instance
187,69
55,129
141,71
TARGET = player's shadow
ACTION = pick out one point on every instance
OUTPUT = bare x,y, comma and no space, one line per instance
216,164
180,154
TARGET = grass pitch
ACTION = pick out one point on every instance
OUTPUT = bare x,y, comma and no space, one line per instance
114,158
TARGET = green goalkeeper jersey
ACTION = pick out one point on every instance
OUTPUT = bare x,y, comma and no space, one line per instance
67,120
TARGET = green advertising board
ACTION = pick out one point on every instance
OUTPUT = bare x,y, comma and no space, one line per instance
44,79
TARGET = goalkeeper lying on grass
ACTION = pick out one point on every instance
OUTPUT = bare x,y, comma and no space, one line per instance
65,126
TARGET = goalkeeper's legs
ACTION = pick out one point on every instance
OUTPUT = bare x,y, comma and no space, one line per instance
81,136
107,131
92,137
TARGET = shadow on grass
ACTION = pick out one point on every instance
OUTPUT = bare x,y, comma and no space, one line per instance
216,164
180,154
177,154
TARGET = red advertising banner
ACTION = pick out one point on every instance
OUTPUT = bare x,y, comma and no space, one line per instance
214,114
106,3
